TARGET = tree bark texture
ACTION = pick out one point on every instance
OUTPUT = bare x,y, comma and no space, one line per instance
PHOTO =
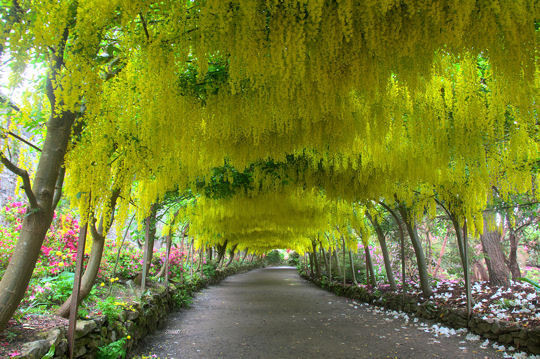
493,254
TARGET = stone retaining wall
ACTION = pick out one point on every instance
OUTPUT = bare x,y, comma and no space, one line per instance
523,338
141,320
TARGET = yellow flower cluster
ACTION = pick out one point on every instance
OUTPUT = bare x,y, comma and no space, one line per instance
373,99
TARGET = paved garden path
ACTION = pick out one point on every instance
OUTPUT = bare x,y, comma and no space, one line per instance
273,313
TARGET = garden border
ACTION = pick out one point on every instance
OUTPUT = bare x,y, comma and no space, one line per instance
137,322
526,339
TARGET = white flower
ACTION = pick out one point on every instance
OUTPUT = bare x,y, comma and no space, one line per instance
472,337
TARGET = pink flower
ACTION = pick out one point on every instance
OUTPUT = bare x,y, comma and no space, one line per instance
14,354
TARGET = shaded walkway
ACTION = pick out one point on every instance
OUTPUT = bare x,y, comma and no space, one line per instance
273,313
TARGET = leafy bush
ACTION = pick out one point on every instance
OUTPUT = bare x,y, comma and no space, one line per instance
54,290
274,257
110,307
113,350
294,259
209,269
182,297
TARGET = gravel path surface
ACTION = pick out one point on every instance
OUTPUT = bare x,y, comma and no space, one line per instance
273,313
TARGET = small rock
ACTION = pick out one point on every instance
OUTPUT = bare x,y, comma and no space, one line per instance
84,327
35,350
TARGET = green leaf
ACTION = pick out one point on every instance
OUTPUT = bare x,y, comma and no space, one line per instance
50,353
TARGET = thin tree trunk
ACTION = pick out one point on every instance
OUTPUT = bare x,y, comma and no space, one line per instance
467,273
311,265
417,246
315,260
369,266
150,235
443,247
384,250
244,257
402,246
183,261
94,261
353,274
221,250
232,253
323,254
165,267
191,260
344,262
334,255
513,264
201,259
429,251
461,236
330,264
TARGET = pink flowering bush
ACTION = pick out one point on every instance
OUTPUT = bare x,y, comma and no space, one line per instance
59,248
129,262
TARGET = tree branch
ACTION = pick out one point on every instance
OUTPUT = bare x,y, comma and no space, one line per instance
7,101
23,140
58,187
143,21
25,178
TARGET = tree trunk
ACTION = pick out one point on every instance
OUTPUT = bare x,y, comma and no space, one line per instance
94,261
443,247
479,271
201,260
90,274
429,250
221,250
344,262
353,274
315,260
149,247
461,237
417,246
369,267
244,256
402,247
334,255
191,256
232,255
323,255
311,265
513,264
183,261
384,250
493,254
165,267
38,220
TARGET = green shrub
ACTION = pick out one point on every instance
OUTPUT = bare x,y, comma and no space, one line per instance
274,257
110,307
294,259
183,297
113,350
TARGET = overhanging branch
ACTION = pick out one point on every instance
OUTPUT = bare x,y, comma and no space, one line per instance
25,178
